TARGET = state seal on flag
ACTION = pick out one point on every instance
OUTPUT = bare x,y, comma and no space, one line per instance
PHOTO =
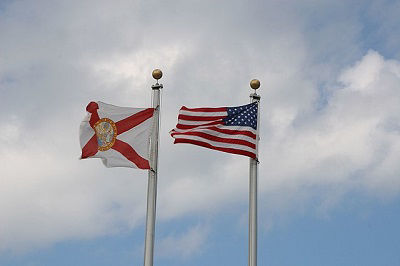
106,133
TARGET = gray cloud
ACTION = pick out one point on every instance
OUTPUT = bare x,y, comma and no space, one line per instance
329,123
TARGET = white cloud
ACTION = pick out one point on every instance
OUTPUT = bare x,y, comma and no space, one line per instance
47,195
189,243
351,144
330,125
10,131
364,73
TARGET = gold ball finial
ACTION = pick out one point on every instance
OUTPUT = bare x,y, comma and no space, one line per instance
255,84
157,74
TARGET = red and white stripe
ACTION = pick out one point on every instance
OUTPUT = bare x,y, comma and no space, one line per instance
205,127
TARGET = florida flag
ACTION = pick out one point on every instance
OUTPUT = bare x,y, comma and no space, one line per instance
120,136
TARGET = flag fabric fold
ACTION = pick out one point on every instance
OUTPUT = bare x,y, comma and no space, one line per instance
227,129
118,135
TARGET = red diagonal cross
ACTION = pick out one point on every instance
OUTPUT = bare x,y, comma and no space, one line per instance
91,147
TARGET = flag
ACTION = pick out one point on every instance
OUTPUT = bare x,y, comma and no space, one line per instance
118,135
227,129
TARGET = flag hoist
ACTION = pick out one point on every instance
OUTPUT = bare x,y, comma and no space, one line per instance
253,182
152,182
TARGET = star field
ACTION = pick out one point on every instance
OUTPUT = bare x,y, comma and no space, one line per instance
245,115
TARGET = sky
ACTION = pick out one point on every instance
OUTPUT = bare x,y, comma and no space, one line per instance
329,172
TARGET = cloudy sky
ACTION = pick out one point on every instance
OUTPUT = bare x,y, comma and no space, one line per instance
329,182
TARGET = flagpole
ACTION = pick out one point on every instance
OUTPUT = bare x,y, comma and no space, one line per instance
253,183
152,182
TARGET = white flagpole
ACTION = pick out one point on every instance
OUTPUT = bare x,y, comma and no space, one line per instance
152,183
253,183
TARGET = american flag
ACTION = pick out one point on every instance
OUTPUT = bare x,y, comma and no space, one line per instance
227,129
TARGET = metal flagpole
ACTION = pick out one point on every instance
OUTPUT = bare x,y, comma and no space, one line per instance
253,183
152,183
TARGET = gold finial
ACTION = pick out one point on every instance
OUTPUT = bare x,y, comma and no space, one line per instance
157,74
255,84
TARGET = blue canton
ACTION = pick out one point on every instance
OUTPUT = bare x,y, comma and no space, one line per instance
245,115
